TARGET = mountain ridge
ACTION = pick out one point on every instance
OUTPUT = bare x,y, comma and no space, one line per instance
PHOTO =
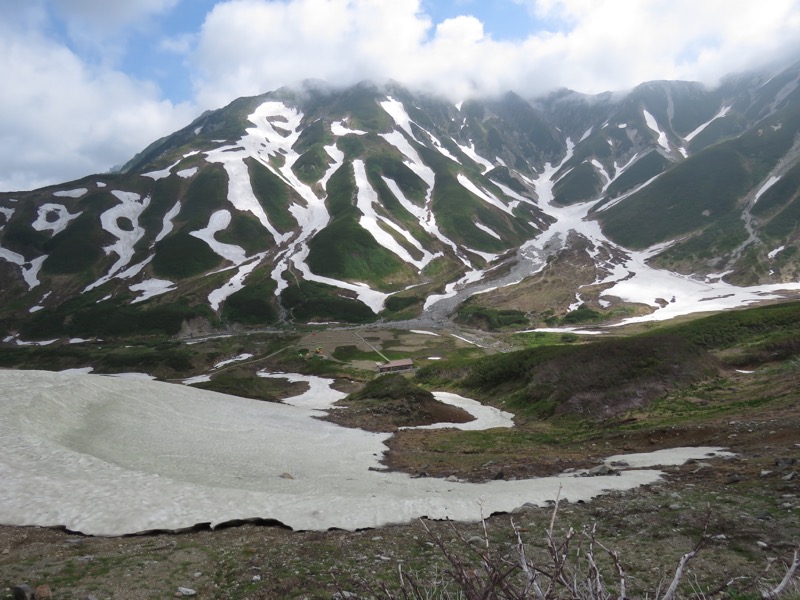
325,204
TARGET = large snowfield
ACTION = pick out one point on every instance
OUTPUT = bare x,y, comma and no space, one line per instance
112,456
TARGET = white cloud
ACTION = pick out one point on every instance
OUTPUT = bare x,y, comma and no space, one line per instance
69,110
61,119
251,46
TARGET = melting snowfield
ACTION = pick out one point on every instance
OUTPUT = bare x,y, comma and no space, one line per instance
113,456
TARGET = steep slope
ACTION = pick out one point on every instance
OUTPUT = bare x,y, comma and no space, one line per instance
320,204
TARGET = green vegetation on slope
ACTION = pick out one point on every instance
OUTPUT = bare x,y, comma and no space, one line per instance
344,250
597,379
76,249
730,328
308,301
181,255
581,184
255,304
392,387
81,316
272,193
685,198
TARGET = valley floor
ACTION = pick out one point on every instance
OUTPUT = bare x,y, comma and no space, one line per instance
753,501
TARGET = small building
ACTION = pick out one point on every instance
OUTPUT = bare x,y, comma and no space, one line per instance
404,364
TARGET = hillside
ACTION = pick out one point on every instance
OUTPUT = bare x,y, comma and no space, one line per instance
380,203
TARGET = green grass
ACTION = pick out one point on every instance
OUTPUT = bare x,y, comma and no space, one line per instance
642,170
582,314
247,232
207,193
591,379
360,103
309,301
273,194
165,192
393,168
165,359
392,387
255,304
490,318
311,165
82,317
351,352
344,250
457,209
18,235
674,204
243,383
740,327
581,184
719,237
77,249
180,256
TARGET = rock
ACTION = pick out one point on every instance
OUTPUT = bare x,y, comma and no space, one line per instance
42,592
620,463
286,476
733,478
90,597
766,473
22,592
600,471
762,545
791,476
499,475
256,578
183,591
6,551
344,596
785,463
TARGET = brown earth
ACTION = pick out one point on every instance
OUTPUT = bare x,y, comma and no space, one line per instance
391,415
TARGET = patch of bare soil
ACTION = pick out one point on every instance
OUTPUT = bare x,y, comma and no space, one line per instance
388,415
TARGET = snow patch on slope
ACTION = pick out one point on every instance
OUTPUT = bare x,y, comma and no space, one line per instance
476,158
150,288
130,207
44,218
216,223
653,124
723,111
166,224
370,220
234,284
770,182
76,193
487,197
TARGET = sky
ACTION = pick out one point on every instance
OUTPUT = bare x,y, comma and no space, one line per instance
89,84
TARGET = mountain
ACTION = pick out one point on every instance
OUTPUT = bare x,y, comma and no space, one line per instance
377,202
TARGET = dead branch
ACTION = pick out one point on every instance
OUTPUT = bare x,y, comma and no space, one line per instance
673,587
781,587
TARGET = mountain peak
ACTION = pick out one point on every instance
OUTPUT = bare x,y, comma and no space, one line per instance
373,201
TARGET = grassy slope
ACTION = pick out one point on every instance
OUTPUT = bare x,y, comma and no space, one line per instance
344,250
